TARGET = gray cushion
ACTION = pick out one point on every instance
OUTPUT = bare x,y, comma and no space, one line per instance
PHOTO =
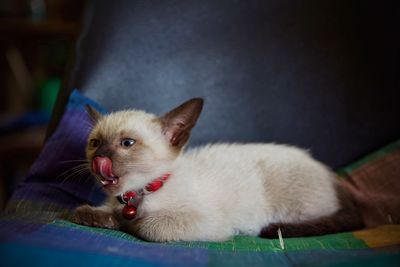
322,75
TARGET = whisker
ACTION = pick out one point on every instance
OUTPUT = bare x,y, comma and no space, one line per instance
77,173
80,166
76,168
135,164
87,177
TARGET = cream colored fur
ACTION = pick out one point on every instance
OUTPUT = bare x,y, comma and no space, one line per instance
217,191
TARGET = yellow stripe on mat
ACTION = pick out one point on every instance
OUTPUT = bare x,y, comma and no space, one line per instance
385,235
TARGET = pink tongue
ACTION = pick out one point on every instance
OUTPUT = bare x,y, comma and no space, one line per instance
103,167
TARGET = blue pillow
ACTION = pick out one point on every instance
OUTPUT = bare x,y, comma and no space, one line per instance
57,180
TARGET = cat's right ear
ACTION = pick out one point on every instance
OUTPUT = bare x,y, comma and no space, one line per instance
178,123
94,115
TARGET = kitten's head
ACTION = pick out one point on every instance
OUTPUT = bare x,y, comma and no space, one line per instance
128,149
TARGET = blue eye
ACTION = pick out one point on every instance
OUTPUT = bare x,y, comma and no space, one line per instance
127,142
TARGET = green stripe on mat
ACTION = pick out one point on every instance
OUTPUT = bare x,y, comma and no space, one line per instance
370,157
244,243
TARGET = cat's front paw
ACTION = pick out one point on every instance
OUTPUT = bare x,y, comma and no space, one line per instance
160,226
97,217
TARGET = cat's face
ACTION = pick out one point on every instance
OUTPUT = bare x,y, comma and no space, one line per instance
127,144
128,149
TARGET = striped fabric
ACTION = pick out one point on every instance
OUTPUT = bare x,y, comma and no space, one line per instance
31,233
61,243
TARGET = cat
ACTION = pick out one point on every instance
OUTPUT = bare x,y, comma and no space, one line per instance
159,192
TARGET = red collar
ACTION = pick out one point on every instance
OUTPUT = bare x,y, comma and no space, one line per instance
132,199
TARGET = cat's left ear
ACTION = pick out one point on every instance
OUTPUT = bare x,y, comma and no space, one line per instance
178,123
93,113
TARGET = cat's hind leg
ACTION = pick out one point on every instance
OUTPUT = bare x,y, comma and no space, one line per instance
341,221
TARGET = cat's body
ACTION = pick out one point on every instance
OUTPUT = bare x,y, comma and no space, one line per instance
221,190
212,192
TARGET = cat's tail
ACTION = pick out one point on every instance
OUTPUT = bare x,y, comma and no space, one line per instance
347,218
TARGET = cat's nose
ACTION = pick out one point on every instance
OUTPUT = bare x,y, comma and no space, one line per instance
104,151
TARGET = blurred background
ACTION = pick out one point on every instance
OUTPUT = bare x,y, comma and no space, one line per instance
36,40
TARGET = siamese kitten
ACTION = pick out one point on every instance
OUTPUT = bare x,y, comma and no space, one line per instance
159,192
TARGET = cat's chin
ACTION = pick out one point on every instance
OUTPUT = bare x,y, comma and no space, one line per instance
111,185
